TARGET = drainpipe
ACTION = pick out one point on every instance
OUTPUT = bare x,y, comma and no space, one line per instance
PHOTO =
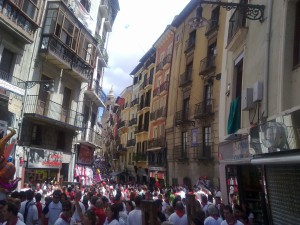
267,61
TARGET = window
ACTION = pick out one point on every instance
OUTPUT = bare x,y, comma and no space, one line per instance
36,135
184,139
6,64
61,140
30,8
214,18
296,60
207,142
208,97
186,106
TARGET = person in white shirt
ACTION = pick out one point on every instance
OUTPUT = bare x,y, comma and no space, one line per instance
79,208
55,208
135,216
213,218
179,217
65,217
10,214
29,210
229,217
112,213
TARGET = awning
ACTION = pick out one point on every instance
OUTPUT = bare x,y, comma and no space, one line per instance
115,173
276,160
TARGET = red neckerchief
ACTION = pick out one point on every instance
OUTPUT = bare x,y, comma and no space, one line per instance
179,213
65,218
13,221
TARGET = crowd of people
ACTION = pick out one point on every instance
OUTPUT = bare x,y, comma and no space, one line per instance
116,204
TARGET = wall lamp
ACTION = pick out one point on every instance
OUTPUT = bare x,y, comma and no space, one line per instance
250,11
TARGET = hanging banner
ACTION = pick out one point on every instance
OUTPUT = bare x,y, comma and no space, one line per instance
41,158
85,155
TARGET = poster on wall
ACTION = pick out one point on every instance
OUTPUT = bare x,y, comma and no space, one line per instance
41,158
194,137
85,155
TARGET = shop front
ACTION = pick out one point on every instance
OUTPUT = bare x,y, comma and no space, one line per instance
44,166
276,144
157,176
83,168
242,182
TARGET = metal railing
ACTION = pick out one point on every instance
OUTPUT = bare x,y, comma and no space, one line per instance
134,102
202,150
185,78
164,86
97,89
140,156
91,136
11,79
207,64
52,110
131,142
133,121
60,50
180,152
181,116
204,108
157,142
190,44
237,21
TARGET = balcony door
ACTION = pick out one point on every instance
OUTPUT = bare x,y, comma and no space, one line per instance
184,144
42,99
208,94
207,141
6,64
65,104
185,110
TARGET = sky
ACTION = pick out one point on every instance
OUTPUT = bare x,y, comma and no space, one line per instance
138,25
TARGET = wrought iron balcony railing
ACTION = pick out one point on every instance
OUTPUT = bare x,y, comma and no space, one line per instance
156,92
164,86
134,102
52,110
180,152
204,109
182,117
207,65
121,148
185,78
167,59
131,143
189,44
123,123
157,142
11,79
237,21
202,151
91,136
157,158
133,121
140,157
70,59
96,89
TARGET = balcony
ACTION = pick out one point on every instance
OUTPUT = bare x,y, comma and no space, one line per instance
92,137
103,56
164,87
157,143
12,83
204,109
167,60
140,157
237,30
134,102
182,118
185,78
180,153
141,129
133,122
19,20
159,66
189,45
131,143
103,8
156,92
122,124
56,52
207,65
121,148
52,112
157,158
96,93
202,151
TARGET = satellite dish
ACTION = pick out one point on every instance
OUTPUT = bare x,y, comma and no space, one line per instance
273,135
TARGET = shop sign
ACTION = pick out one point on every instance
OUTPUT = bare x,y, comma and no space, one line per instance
85,155
41,158
158,175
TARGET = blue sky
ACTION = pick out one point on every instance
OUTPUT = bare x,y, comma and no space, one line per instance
138,25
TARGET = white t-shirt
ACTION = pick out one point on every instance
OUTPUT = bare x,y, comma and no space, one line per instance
135,217
54,212
113,222
224,222
76,216
18,223
32,214
20,216
212,221
60,221
174,218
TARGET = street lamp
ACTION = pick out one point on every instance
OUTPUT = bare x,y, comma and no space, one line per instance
47,85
